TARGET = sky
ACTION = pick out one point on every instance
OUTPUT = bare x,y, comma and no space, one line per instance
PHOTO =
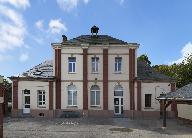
163,28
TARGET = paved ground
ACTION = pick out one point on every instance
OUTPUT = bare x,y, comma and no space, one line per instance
93,128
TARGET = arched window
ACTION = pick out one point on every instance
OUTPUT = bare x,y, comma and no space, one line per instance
72,95
118,90
95,95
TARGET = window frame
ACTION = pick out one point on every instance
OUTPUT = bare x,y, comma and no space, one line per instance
73,65
148,100
118,64
95,64
43,98
72,92
95,91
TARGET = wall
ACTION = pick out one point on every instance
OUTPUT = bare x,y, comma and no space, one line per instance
155,89
33,86
184,111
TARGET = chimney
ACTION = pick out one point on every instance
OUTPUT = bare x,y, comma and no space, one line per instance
94,30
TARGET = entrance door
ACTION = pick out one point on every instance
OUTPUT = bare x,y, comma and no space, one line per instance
26,101
118,105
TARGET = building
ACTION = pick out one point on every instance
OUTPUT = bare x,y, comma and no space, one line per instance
91,75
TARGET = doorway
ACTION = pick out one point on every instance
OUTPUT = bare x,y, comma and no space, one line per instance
26,101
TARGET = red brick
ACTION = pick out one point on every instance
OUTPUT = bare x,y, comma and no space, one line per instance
105,79
85,81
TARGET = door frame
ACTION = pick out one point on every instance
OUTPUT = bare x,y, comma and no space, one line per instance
119,105
26,93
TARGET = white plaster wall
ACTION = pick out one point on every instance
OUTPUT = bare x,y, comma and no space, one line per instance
100,84
155,89
33,86
126,95
184,111
64,95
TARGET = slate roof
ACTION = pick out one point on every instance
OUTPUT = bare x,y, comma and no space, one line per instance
146,72
43,70
184,92
97,40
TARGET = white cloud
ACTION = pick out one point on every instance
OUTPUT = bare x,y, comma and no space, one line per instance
185,52
68,5
17,3
12,29
39,24
56,26
23,57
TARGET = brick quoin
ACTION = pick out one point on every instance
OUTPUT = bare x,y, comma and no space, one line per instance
50,95
15,94
139,95
85,81
173,105
58,77
105,79
132,77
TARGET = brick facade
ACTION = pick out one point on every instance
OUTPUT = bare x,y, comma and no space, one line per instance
15,94
132,77
139,95
174,104
105,79
50,95
58,77
85,81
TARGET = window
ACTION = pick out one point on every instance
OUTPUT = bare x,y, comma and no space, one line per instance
72,64
147,100
95,95
72,95
41,98
118,90
95,64
118,61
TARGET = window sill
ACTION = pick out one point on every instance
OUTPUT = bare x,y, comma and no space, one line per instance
72,72
95,106
72,106
42,106
94,72
117,72
148,108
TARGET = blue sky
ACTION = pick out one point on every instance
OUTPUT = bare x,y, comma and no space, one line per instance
163,28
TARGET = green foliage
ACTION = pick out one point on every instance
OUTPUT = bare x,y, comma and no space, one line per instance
182,72
8,86
144,58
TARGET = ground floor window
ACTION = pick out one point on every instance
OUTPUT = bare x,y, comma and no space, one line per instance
72,95
95,95
147,100
41,98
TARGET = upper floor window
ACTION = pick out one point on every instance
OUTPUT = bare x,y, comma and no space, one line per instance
72,64
41,98
95,95
72,95
118,90
118,62
148,100
95,64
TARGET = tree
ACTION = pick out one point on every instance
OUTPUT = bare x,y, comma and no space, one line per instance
144,58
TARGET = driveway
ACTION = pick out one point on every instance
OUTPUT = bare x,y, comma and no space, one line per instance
93,128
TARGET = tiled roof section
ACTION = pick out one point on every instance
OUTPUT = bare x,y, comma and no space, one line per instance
43,70
146,72
97,39
184,92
